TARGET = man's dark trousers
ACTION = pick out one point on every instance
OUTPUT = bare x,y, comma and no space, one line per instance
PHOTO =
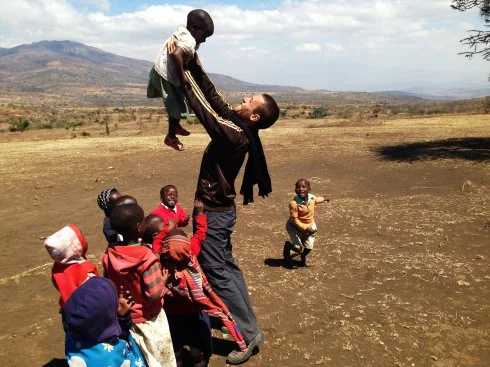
223,273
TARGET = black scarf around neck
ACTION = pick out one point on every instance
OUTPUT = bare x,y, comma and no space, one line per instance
256,171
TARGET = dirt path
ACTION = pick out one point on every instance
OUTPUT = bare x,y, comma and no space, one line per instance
400,273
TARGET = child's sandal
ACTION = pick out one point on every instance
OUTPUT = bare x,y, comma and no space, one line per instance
174,143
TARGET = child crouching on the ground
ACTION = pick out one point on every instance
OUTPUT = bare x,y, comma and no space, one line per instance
67,248
190,298
97,321
138,270
301,225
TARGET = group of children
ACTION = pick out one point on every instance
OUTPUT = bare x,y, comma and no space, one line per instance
154,298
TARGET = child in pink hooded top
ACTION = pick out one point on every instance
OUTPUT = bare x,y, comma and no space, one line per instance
136,268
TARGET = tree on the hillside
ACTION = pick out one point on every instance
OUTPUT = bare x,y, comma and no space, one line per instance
478,40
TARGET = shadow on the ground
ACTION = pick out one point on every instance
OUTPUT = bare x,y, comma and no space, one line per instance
473,149
223,347
276,263
56,362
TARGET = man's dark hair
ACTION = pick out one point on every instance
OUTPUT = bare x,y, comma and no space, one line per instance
201,19
165,188
125,200
152,223
124,218
268,112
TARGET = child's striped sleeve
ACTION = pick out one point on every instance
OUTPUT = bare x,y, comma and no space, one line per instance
152,280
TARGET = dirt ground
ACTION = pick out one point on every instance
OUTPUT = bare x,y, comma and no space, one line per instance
400,272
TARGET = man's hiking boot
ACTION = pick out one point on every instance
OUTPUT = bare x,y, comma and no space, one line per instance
238,357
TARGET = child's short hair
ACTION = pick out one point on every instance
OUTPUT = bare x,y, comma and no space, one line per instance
152,223
305,181
200,18
165,188
124,200
176,232
125,218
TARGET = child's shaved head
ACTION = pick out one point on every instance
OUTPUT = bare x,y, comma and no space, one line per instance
126,218
201,19
153,224
304,181
124,200
176,232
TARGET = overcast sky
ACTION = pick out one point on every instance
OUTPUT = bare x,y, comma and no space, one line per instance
330,44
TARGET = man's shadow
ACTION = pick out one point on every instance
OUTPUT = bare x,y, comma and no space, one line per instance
472,149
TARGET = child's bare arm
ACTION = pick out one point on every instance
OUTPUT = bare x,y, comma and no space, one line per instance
178,57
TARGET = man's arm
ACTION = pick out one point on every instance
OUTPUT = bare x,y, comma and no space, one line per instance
218,127
213,96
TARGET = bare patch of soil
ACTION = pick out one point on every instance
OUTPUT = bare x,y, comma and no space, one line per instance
400,271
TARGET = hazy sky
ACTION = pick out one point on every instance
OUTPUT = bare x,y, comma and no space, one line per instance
329,44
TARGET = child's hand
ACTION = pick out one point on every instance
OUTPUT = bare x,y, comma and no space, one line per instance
171,224
199,206
125,302
165,275
311,230
186,221
172,44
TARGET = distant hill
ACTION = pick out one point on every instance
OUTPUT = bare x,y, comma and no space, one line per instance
56,66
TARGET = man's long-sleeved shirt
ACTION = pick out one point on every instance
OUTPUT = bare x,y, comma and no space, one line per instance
226,152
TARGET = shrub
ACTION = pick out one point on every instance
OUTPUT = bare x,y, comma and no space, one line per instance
317,113
84,133
19,124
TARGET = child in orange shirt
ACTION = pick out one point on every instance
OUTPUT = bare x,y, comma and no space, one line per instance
301,225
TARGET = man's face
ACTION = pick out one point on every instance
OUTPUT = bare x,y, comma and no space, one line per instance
302,189
246,109
170,197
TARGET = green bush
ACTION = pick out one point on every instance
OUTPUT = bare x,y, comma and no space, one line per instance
318,113
19,124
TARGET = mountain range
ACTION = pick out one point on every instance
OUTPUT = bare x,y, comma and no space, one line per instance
51,66
67,67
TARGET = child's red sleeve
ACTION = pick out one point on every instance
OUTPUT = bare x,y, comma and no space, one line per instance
200,235
156,246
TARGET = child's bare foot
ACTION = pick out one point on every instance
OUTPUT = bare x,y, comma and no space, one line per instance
174,143
179,130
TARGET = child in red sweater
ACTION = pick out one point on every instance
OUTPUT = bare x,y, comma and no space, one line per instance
169,209
138,270
67,248
190,298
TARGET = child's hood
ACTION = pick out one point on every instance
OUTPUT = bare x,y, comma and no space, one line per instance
91,310
126,258
67,246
